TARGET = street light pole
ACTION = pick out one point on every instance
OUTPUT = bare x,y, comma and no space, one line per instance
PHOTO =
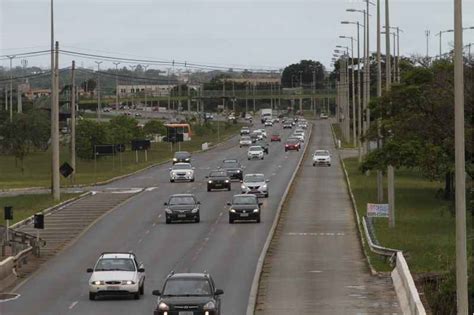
73,120
55,185
354,129
460,168
440,34
98,90
116,86
11,88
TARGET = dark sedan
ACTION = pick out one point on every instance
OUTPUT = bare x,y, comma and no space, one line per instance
233,168
244,207
182,157
218,180
182,207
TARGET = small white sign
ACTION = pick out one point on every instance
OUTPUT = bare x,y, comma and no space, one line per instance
377,210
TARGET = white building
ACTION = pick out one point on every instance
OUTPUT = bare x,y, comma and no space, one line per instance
151,90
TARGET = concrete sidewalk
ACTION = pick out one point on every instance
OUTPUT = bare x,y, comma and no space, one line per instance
315,263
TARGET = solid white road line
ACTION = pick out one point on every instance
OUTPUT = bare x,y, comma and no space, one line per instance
73,304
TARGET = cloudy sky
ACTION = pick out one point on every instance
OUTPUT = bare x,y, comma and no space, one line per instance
232,33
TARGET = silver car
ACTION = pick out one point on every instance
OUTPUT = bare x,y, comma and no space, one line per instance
245,141
182,171
255,184
255,152
321,157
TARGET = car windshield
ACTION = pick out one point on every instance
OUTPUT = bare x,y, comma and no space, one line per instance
188,287
245,138
115,264
275,135
181,155
181,200
218,174
244,200
255,149
257,178
292,142
322,152
231,165
182,167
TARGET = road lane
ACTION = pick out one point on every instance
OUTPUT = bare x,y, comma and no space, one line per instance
228,252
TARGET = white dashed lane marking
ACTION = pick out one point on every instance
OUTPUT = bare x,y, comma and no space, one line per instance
73,304
314,234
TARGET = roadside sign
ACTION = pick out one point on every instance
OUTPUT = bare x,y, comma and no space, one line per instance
377,210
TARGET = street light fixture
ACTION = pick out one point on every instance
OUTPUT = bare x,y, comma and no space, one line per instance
440,34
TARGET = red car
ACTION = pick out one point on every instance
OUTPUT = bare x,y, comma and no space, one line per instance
275,137
292,145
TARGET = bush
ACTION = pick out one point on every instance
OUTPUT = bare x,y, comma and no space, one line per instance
153,127
88,134
124,129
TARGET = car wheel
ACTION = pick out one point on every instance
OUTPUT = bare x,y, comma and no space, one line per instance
249,159
258,219
142,288
171,180
136,295
231,221
92,296
168,220
286,150
208,189
198,219
192,180
329,164
228,188
266,195
314,164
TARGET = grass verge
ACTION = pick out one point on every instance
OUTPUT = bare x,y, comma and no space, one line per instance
37,164
25,206
425,224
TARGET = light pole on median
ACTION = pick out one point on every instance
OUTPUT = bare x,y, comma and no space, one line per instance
460,168
440,34
347,124
116,86
359,88
98,90
354,129
11,87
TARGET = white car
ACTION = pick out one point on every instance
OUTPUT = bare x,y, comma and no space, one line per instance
231,117
255,184
117,273
324,116
321,157
268,123
257,134
245,141
263,131
182,171
299,136
255,152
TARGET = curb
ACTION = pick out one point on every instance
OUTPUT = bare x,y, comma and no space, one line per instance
252,302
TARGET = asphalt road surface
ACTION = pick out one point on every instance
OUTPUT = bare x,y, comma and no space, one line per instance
228,252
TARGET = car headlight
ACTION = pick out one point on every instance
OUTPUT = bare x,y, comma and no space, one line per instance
163,306
232,210
210,306
98,282
264,186
255,210
226,181
194,210
238,171
187,160
128,282
243,187
175,159
167,210
210,182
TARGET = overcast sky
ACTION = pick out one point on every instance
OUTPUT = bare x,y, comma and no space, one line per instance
239,33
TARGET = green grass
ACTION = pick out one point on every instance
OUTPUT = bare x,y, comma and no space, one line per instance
338,133
425,226
37,165
25,206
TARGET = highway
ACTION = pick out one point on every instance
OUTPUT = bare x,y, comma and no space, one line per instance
228,252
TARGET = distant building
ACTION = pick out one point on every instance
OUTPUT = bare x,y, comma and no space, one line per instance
151,90
36,93
256,80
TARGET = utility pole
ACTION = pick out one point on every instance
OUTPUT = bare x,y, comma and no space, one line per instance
55,128
116,86
73,120
254,106
55,184
246,98
144,73
99,109
379,94
460,168
313,100
390,169
11,88
301,91
368,70
427,34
